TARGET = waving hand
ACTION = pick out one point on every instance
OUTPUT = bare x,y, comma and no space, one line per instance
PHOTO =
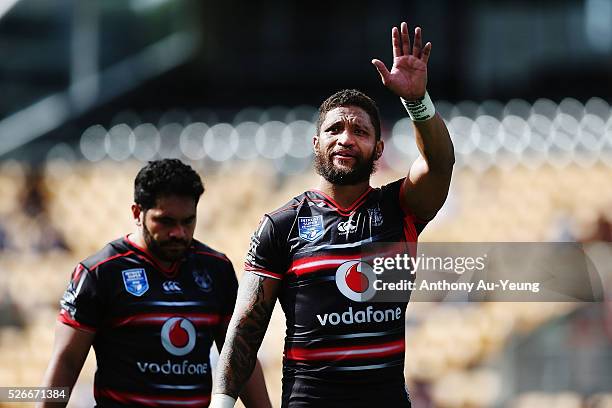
408,75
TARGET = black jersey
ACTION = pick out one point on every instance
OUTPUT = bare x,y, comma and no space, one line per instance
336,339
153,326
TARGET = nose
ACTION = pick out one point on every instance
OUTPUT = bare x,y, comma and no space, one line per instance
345,138
178,232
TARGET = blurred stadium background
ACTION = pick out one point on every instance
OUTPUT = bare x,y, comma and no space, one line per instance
93,89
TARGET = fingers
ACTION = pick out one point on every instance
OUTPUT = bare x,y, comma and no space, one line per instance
401,45
405,39
395,42
418,43
426,52
382,70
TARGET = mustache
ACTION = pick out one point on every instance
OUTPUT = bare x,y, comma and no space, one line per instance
174,241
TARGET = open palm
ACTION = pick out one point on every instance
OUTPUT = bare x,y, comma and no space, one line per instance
408,76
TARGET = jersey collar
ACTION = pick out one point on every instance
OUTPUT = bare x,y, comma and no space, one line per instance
343,210
170,272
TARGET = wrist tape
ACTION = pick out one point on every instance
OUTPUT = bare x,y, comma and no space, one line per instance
420,109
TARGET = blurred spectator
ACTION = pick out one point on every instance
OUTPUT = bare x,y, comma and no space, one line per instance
43,235
4,239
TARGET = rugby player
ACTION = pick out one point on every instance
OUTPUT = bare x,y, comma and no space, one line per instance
151,304
340,349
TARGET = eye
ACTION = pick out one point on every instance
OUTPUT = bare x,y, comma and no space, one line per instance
189,221
334,128
165,221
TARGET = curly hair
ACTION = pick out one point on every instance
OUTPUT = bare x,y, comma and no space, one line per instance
166,177
350,97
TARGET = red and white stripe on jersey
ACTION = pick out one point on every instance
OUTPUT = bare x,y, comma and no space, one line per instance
313,264
262,272
198,319
152,400
346,353
65,318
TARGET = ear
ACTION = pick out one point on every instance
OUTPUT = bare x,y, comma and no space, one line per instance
380,146
136,214
315,142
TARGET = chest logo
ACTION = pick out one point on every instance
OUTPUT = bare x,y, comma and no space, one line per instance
171,287
135,281
347,227
310,228
355,280
376,217
203,280
178,336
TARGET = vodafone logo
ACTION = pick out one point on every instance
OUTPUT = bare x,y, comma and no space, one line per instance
355,280
178,336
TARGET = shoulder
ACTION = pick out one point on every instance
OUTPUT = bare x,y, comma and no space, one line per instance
391,190
202,250
284,216
110,252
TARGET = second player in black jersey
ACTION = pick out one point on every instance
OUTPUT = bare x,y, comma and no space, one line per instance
151,304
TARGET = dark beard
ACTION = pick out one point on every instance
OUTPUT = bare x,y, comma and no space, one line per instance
157,250
359,173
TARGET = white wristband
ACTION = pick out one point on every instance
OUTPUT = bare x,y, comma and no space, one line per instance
222,401
421,109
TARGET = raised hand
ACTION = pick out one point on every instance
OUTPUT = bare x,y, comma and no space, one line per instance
408,76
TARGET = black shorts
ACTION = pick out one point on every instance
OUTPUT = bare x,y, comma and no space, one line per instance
309,393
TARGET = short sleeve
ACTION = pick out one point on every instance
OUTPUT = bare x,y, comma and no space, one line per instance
265,254
81,306
393,191
231,291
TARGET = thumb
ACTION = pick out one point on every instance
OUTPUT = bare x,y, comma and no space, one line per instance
382,70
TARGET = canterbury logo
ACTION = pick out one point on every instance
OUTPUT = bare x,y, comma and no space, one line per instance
171,286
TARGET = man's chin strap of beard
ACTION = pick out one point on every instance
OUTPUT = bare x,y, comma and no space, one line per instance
361,173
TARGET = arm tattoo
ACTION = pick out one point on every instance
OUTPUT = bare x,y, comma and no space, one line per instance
244,335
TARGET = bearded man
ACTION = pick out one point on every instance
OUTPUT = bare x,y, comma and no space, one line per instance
341,348
151,304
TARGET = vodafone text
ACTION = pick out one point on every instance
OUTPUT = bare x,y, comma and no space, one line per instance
368,315
168,367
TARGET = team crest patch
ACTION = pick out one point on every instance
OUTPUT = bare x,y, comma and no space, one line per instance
376,217
203,280
310,228
135,281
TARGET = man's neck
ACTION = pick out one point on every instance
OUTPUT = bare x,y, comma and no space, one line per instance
138,239
344,195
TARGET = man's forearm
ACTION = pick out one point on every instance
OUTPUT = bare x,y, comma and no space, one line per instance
59,374
435,144
255,393
244,336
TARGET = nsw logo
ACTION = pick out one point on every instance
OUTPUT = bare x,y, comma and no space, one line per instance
355,280
135,281
311,228
178,336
